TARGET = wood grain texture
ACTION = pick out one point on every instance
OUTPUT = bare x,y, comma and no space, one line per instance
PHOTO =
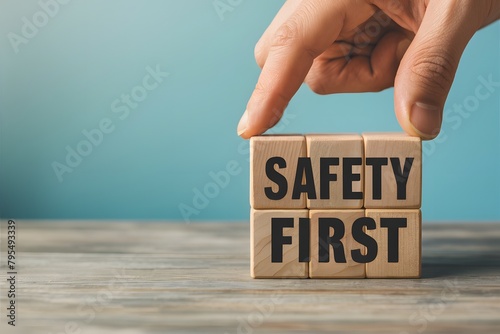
290,148
393,145
193,278
331,269
338,146
409,264
261,265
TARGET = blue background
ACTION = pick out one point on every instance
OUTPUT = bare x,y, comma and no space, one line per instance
64,80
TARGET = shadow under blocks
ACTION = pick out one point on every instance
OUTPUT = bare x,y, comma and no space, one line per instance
336,206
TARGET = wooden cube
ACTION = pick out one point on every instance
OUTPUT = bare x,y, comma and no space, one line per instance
338,167
393,171
335,250
402,257
273,162
261,252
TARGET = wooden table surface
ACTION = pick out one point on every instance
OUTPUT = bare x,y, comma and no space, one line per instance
127,277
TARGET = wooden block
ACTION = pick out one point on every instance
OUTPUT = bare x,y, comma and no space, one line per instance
409,245
332,269
393,171
344,154
261,265
281,149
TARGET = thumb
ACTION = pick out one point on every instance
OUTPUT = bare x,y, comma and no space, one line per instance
427,70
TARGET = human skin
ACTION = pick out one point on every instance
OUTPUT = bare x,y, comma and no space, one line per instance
338,46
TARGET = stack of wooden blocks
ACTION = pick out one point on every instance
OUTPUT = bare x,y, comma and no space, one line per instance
335,206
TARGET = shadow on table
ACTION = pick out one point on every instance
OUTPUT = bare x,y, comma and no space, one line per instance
464,257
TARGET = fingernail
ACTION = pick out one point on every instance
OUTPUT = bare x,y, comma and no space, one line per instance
426,120
242,125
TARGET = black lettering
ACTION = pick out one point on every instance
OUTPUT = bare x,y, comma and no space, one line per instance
325,177
376,164
304,168
277,178
278,239
304,239
360,236
393,225
349,178
326,240
401,177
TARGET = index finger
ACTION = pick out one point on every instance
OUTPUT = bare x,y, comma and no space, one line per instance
297,42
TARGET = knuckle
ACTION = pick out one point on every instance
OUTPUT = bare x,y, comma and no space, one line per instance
382,81
259,54
318,85
381,85
286,35
260,88
265,90
292,34
434,69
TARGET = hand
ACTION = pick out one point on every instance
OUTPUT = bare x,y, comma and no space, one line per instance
361,45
